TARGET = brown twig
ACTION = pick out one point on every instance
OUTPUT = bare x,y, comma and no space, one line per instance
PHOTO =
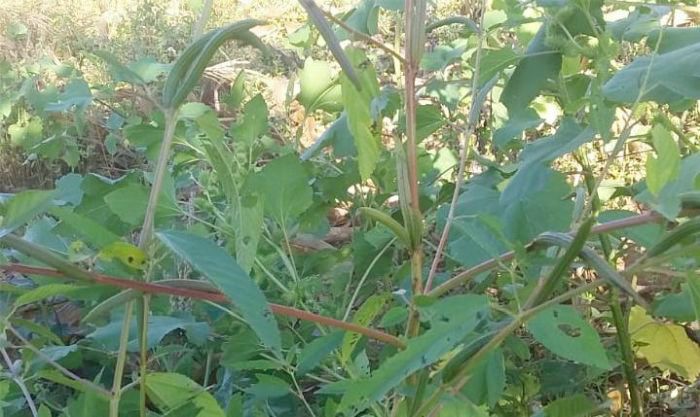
209,296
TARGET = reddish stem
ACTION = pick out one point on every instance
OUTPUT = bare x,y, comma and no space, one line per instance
216,297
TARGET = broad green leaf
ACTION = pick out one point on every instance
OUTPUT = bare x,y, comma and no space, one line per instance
357,107
495,60
488,380
675,306
664,345
535,200
429,119
23,207
283,186
254,123
515,125
221,269
693,282
129,203
314,352
45,291
369,310
250,227
666,166
76,94
672,38
68,189
268,387
458,406
443,55
89,230
57,377
569,137
562,330
319,89
664,83
421,351
668,201
169,391
532,73
158,327
85,404
363,19
577,405
319,20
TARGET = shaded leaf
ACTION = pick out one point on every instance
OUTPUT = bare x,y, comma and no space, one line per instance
665,167
23,207
222,270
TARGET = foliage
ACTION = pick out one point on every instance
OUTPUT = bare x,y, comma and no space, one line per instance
438,218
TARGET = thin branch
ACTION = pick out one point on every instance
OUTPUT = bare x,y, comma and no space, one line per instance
106,394
365,37
464,276
210,295
474,110
20,383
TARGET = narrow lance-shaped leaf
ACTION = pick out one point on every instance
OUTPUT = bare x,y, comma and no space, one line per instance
188,68
222,270
357,106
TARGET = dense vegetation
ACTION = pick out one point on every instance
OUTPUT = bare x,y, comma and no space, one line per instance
387,208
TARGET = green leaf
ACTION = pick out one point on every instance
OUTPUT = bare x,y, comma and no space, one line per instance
664,83
569,137
668,201
23,207
429,119
283,187
319,89
363,317
562,330
488,380
494,61
664,345
357,106
254,123
458,406
421,351
190,65
693,282
672,38
89,230
443,55
541,64
169,391
129,203
317,17
313,353
45,291
666,166
577,405
222,270
158,327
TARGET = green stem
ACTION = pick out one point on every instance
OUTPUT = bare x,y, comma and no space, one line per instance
158,177
121,361
143,351
623,339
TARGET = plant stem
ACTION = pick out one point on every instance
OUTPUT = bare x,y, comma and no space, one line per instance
67,373
474,110
121,361
623,339
366,38
158,178
20,383
202,290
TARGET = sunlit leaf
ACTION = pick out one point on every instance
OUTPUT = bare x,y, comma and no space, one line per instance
665,345
562,330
